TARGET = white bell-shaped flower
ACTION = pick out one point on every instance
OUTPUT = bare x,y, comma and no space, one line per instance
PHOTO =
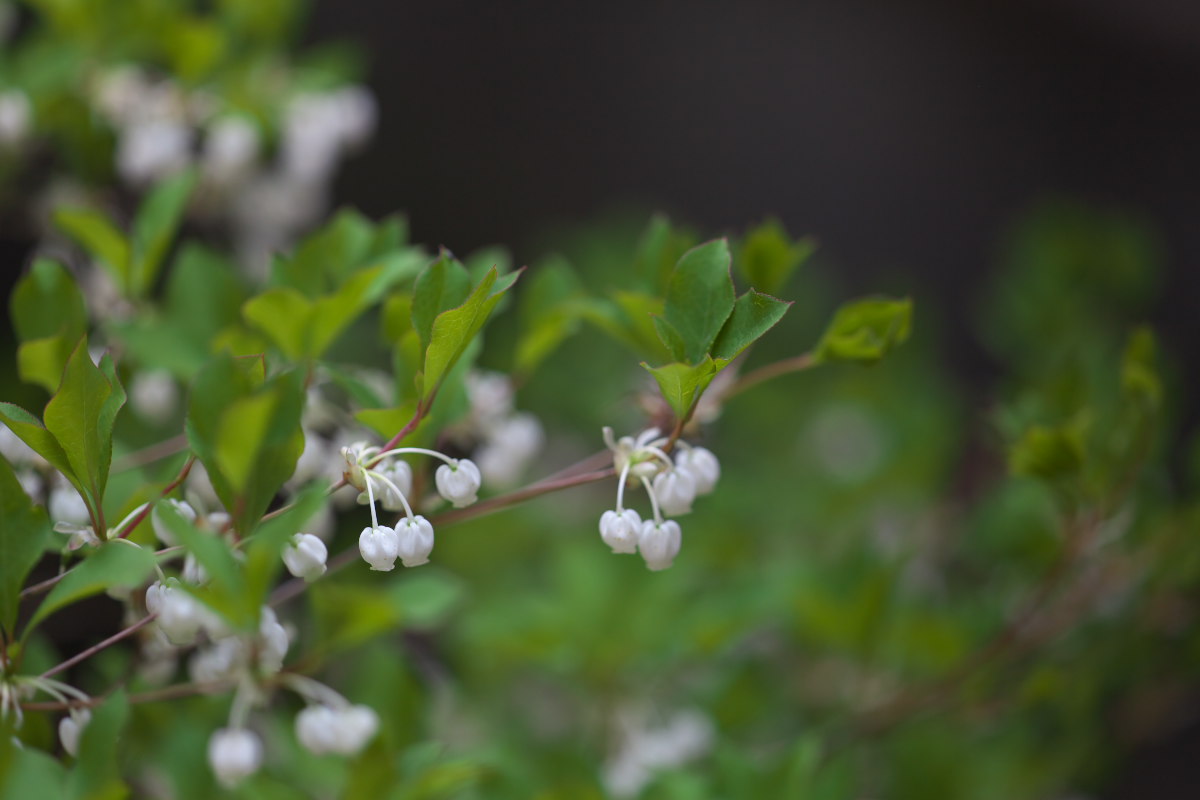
459,483
161,530
353,470
66,505
220,661
154,395
675,490
70,728
193,573
620,529
702,465
180,616
400,474
305,556
356,726
380,547
659,543
416,540
234,755
316,729
272,642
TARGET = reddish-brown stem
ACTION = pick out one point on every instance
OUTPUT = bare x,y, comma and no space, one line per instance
418,415
521,495
170,487
769,371
96,648
150,454
166,693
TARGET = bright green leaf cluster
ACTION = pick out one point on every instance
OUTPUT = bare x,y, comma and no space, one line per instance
865,330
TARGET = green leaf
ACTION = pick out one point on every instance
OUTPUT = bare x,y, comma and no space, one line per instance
753,315
47,303
659,248
31,431
323,260
865,330
248,436
81,415
284,315
26,772
455,329
682,384
42,361
700,296
115,564
548,312
97,773
442,285
629,318
1139,370
154,228
769,256
1049,453
264,548
100,238
671,338
24,534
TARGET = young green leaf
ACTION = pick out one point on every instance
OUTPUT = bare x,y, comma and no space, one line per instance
284,315
865,330
24,534
753,315
263,549
455,329
671,338
659,248
42,361
769,256
154,228
682,384
442,285
80,416
30,430
226,592
1049,453
46,302
700,296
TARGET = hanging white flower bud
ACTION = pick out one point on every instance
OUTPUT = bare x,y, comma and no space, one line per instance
161,530
180,616
415,536
193,573
70,728
356,726
152,150
459,483
399,473
234,755
352,468
675,491
31,482
316,729
702,465
67,506
220,661
659,543
620,530
200,491
380,547
155,395
305,556
15,115
272,642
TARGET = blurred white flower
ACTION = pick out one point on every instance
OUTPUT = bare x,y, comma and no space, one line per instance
15,117
152,150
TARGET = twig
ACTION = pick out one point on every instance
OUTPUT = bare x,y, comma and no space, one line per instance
96,648
150,454
767,372
170,487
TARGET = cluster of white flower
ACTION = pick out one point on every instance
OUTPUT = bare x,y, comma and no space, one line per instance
380,476
672,486
645,749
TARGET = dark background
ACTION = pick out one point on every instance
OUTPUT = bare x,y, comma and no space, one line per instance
906,135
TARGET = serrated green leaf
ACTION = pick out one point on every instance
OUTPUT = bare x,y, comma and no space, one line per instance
154,228
682,384
442,285
115,564
100,238
454,330
24,535
284,315
769,256
865,330
700,296
671,338
74,415
753,315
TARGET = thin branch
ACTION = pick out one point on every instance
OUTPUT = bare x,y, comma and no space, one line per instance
521,495
767,372
150,454
96,648
170,487
153,696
